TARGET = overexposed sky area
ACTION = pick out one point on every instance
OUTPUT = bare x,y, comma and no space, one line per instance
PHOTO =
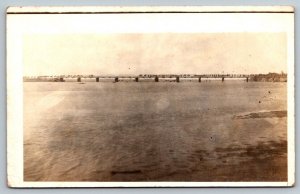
154,53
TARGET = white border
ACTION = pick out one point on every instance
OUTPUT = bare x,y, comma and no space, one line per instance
19,25
113,9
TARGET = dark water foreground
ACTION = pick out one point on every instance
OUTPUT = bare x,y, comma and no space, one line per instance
212,131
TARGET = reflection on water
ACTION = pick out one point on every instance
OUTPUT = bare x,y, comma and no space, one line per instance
209,131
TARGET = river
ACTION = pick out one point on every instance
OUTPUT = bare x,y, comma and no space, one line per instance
165,131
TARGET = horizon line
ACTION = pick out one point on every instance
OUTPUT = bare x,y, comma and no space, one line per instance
153,74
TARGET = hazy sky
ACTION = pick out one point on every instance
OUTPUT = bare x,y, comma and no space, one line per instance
156,53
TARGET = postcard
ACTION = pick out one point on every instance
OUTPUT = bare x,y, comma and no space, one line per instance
150,96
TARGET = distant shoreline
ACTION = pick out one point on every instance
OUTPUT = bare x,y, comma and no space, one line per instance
270,77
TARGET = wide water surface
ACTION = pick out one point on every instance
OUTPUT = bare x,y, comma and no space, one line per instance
209,131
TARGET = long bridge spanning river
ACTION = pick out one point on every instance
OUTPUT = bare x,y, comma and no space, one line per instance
138,78
122,128
270,77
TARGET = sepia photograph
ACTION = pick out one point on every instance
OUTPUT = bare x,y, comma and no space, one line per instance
150,96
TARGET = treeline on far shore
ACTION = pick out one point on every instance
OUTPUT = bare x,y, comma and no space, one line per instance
270,77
